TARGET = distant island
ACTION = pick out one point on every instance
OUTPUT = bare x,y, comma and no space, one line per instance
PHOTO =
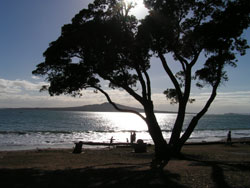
104,107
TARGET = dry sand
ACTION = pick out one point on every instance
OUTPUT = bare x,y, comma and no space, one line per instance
214,165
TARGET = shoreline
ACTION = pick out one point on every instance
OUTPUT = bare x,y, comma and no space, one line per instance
103,145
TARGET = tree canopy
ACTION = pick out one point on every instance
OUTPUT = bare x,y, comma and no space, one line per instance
105,42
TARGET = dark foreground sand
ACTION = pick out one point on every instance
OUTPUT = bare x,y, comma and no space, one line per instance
215,165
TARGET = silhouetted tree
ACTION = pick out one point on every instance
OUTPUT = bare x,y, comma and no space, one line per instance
105,42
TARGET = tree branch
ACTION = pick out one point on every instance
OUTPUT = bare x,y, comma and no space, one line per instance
196,118
171,75
125,87
183,62
195,58
144,89
134,94
188,79
116,107
148,84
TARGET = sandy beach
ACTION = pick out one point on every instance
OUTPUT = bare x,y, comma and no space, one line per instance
205,165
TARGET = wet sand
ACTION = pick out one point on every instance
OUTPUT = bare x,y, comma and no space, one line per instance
204,165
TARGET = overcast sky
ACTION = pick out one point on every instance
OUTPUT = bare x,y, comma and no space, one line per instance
27,28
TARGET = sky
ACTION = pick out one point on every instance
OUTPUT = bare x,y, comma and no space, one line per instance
27,28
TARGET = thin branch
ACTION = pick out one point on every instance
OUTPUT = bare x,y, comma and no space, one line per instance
125,87
76,56
171,75
195,58
183,65
134,94
143,84
188,79
148,84
183,61
116,107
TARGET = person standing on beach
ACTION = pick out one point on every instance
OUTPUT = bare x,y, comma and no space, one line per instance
111,141
229,138
132,137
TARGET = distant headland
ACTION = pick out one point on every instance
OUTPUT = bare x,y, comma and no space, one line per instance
104,107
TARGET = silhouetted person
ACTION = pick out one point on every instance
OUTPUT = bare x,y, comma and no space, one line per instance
132,137
229,138
111,141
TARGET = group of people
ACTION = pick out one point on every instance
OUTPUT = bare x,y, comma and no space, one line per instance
132,138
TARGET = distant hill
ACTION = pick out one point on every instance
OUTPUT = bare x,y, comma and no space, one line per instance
104,107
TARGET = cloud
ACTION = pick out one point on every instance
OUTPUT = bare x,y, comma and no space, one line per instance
223,97
23,93
35,77
225,102
18,86
44,100
238,102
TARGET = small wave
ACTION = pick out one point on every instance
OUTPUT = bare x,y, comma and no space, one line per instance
34,132
246,134
112,131
196,137
53,131
129,131
101,131
166,130
220,129
14,132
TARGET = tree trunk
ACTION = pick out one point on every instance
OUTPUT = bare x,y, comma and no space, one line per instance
188,132
174,140
176,132
162,151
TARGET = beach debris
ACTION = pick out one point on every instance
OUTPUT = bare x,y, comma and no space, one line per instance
140,146
78,147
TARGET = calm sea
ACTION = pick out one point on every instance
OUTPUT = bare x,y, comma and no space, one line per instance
29,129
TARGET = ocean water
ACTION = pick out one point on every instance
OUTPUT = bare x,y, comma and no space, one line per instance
30,129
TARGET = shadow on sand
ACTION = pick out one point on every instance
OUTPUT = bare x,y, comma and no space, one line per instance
88,177
219,168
